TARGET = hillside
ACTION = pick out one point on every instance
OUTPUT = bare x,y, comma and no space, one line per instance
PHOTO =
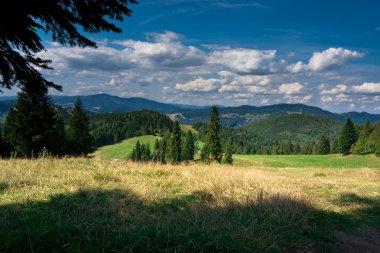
124,149
295,127
188,114
237,116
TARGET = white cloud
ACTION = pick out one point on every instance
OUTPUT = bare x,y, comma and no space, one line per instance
227,88
290,88
245,61
335,90
259,90
331,57
199,85
366,88
297,67
297,99
249,80
328,59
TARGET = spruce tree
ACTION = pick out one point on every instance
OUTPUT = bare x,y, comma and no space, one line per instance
228,151
2,144
156,151
32,125
188,149
323,146
146,153
347,137
363,145
175,146
79,138
212,150
375,139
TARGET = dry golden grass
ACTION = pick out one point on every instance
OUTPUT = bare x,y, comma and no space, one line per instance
151,206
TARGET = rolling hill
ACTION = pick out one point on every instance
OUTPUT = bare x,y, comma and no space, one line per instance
188,114
123,149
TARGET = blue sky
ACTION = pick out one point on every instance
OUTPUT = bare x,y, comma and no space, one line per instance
234,52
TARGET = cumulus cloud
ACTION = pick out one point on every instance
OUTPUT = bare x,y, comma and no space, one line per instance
290,88
367,88
326,60
330,58
334,90
199,85
245,61
161,66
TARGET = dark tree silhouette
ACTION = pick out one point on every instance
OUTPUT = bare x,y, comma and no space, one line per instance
323,146
33,124
175,145
21,19
80,141
347,137
212,150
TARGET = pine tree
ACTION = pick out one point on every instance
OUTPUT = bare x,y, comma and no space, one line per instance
228,151
335,146
156,151
175,146
2,144
79,138
32,125
68,22
146,153
347,137
375,139
323,146
212,150
188,149
363,145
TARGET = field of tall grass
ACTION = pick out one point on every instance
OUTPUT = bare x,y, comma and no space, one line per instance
94,205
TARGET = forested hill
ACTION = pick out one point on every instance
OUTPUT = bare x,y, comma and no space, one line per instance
188,114
242,115
296,127
109,128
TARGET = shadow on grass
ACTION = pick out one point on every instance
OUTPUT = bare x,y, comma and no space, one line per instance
3,186
120,221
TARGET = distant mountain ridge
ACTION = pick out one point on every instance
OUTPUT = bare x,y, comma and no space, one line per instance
187,114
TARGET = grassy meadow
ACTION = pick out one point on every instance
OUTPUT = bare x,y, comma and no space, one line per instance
123,149
102,205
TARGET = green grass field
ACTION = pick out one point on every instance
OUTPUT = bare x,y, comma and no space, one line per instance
97,205
308,161
123,149
260,204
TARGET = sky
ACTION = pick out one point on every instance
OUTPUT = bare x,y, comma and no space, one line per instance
232,52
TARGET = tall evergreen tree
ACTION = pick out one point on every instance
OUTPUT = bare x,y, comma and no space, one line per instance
188,149
80,140
136,154
146,153
347,137
212,150
363,145
2,144
156,151
375,139
32,125
175,145
228,151
323,146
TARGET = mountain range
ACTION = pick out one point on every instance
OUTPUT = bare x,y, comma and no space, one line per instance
187,114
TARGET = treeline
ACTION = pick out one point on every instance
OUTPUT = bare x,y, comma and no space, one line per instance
173,147
110,128
350,138
33,127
